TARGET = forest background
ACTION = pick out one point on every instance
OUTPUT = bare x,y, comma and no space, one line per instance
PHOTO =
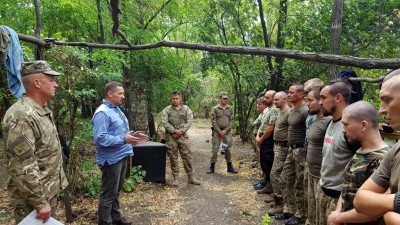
84,39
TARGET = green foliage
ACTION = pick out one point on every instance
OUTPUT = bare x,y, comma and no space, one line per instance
92,182
266,219
136,177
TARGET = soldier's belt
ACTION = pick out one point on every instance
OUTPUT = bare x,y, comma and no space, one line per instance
281,143
297,145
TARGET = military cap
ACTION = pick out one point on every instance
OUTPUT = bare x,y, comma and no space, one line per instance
223,95
39,66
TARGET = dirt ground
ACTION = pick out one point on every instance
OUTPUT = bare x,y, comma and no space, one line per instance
222,198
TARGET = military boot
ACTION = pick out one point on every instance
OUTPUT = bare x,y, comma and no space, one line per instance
211,170
192,180
267,189
269,199
175,180
230,168
278,207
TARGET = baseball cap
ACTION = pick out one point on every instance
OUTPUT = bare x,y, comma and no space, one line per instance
39,66
223,95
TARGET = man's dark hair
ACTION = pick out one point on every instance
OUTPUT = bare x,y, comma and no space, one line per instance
112,86
339,87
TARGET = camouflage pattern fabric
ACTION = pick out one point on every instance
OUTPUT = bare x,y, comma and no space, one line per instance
325,206
312,198
33,154
178,118
293,171
277,181
357,171
222,118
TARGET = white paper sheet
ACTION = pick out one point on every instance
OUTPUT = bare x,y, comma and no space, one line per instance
31,220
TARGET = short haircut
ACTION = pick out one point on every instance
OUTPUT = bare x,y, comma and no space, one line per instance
316,92
393,74
261,100
112,86
339,87
299,87
363,110
272,92
281,94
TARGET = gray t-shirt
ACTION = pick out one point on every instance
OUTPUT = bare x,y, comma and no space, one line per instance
315,139
297,125
335,156
388,172
281,126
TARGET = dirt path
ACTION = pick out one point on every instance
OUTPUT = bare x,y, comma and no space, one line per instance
222,198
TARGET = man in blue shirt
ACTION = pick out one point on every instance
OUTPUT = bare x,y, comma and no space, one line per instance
113,141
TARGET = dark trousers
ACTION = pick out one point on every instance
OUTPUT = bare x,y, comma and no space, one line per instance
267,157
112,181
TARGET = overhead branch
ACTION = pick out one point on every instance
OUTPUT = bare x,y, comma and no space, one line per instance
363,63
115,11
366,79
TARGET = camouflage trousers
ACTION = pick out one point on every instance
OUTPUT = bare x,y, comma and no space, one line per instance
325,206
293,173
176,146
216,142
21,209
313,199
277,181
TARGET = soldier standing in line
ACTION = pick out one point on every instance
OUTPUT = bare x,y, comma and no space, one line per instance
280,152
315,140
32,146
336,151
222,122
177,119
293,168
265,139
360,125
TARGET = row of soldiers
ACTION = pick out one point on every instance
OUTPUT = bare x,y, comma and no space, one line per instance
316,148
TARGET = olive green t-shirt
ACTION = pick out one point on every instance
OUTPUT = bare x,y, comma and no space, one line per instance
282,125
297,125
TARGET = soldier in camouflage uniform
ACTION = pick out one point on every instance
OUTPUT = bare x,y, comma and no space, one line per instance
32,146
360,125
222,122
177,119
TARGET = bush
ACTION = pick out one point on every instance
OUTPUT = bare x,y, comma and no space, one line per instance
136,177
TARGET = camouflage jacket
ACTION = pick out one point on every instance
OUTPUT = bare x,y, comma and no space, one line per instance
33,153
222,118
177,118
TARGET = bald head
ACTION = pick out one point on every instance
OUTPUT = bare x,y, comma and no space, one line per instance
269,97
394,77
281,94
362,110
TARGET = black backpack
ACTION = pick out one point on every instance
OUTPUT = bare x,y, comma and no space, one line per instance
356,88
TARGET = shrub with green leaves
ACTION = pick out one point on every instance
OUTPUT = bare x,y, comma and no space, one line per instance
136,177
266,219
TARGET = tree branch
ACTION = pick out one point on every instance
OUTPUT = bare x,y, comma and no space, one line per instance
155,15
115,11
343,60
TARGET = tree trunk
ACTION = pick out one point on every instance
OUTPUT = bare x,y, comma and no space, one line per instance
275,83
267,43
336,31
